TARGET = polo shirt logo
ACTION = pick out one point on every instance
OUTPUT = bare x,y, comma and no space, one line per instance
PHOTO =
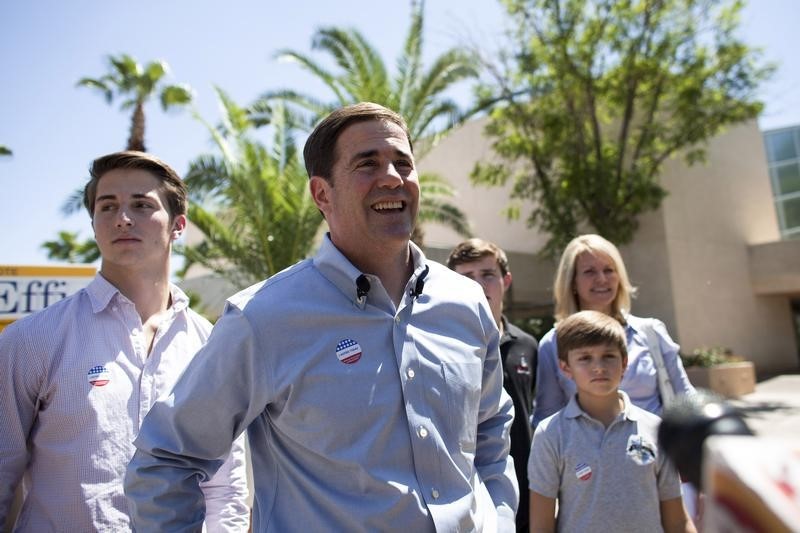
641,450
523,367
98,376
348,351
583,472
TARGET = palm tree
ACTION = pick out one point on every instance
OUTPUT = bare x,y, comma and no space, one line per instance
415,93
135,84
251,202
67,247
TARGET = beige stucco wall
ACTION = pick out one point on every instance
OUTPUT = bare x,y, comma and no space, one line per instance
690,259
714,211
454,158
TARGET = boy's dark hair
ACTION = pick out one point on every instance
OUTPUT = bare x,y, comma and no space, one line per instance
475,249
589,328
171,183
319,153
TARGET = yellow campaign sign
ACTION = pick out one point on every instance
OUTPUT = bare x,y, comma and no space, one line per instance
25,289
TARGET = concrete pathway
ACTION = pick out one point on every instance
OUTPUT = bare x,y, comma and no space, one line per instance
773,410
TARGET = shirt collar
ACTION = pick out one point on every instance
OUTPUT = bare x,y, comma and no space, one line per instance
333,264
507,333
101,292
573,410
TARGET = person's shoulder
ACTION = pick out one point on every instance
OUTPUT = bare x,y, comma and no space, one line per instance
639,322
48,318
441,274
198,320
520,334
450,286
642,417
549,337
45,328
555,422
276,286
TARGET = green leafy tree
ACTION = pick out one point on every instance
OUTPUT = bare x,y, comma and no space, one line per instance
5,151
416,93
251,202
69,248
599,93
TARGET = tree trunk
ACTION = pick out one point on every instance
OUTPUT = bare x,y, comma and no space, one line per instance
136,139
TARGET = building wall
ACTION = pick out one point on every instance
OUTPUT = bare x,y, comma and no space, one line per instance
689,260
713,213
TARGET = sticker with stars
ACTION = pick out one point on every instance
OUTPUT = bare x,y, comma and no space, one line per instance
348,351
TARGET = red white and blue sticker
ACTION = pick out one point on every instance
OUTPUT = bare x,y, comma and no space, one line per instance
348,351
583,472
99,376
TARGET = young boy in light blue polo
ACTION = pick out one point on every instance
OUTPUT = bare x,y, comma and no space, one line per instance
598,456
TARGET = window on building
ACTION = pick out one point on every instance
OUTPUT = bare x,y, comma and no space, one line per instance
783,156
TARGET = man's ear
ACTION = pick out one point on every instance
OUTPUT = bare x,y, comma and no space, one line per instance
507,281
321,193
178,225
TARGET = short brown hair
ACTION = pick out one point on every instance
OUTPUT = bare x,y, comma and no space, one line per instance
475,249
589,328
319,152
172,185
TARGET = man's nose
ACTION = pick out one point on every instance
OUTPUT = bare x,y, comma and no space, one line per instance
123,219
391,178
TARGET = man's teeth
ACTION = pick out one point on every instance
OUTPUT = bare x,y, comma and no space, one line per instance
388,205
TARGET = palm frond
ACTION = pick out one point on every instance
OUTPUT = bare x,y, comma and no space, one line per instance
175,95
310,65
73,203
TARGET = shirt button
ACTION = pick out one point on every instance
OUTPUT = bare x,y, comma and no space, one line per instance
397,319
422,432
114,308
410,373
435,494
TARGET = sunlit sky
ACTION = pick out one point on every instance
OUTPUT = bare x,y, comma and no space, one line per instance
55,129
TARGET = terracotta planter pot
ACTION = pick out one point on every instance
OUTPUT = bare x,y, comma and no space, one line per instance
728,379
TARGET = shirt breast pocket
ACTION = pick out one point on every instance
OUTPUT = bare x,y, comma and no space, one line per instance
463,382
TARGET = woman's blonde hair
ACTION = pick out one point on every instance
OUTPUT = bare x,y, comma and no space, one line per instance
564,285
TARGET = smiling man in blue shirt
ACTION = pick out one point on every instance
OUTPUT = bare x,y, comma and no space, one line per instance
367,377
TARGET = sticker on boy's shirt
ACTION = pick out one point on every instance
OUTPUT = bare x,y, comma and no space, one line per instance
583,472
641,450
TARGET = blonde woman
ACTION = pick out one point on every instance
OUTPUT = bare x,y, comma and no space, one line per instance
592,276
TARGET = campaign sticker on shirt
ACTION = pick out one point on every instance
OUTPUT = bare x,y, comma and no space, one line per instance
583,472
523,367
99,376
348,351
641,450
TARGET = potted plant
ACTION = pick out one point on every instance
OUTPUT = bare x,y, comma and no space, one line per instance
718,369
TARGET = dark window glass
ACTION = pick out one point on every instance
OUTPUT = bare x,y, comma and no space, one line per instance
791,213
788,178
780,146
